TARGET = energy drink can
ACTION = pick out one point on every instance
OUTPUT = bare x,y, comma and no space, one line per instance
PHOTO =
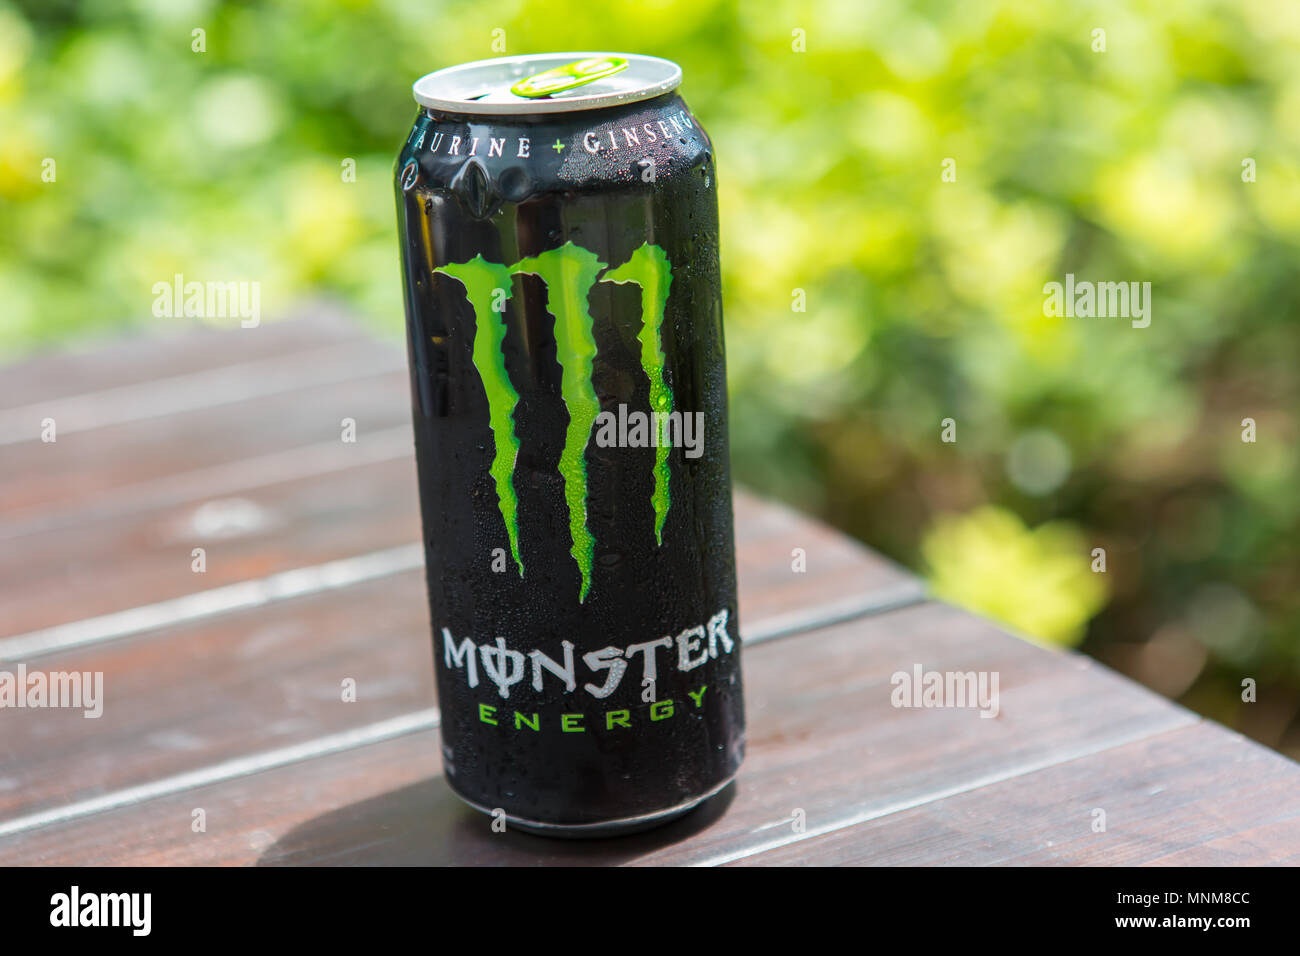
558,222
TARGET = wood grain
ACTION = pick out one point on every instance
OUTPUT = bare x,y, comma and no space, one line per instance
39,476
101,566
111,562
177,347
1195,796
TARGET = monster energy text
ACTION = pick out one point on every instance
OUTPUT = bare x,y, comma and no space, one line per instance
504,666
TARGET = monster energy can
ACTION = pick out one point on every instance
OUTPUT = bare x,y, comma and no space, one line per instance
559,233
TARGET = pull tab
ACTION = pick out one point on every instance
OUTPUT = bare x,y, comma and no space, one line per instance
566,77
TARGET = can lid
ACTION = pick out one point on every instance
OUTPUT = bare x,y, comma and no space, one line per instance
547,83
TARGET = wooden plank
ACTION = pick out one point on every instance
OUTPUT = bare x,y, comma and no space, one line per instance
824,738
1195,796
131,504
827,742
104,562
39,476
214,690
100,566
170,348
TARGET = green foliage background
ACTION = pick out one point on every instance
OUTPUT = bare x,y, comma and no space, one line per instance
924,298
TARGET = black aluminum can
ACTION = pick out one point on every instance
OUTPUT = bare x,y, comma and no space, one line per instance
559,234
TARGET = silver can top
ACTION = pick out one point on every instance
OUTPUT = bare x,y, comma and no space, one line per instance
547,83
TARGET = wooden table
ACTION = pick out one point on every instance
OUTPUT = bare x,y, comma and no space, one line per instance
222,687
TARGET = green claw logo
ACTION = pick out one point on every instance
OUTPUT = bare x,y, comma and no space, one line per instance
569,274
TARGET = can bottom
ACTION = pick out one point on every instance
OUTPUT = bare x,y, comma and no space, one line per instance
605,828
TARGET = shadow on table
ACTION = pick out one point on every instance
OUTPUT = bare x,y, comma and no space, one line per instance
427,825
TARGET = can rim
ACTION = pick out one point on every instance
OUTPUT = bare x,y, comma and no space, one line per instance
456,89
615,827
